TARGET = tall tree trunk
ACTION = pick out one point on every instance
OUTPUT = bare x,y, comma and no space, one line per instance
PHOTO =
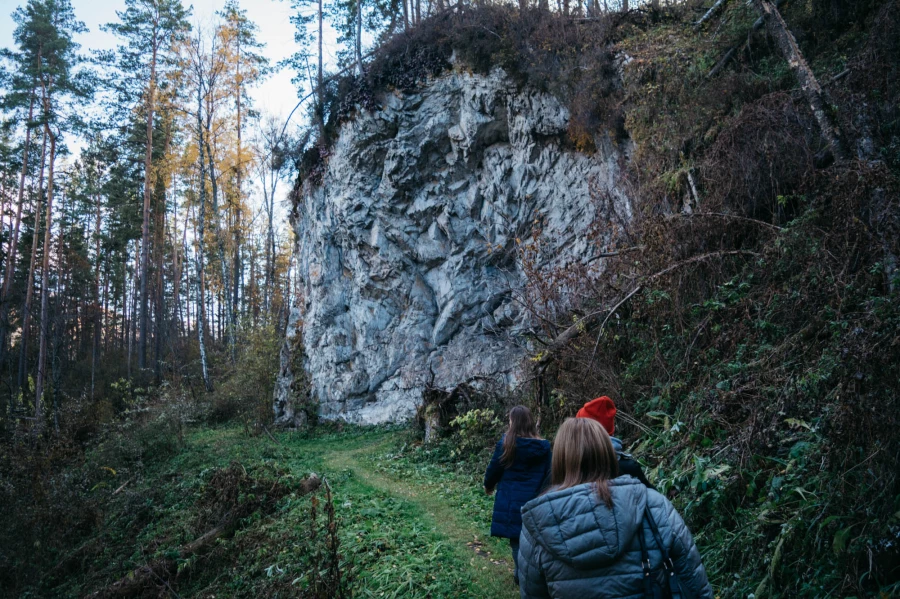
220,244
177,266
320,81
29,283
254,299
270,240
14,238
45,289
359,64
145,225
808,83
201,223
97,311
238,215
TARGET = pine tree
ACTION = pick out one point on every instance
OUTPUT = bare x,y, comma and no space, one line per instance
149,29
55,25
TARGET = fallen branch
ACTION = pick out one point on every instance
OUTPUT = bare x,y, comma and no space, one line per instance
838,77
603,324
125,484
711,13
134,583
693,188
588,321
805,77
701,258
733,217
277,442
596,257
723,62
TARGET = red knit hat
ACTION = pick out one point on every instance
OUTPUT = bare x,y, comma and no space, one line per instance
603,410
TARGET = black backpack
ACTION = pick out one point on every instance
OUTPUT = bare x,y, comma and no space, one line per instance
661,583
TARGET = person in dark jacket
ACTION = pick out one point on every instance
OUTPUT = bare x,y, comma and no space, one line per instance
519,471
603,410
583,539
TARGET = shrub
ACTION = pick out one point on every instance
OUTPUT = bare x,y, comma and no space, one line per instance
475,430
246,394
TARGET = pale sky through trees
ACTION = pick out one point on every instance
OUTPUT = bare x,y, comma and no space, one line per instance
275,95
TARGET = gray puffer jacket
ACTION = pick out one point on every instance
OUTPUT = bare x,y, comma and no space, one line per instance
574,547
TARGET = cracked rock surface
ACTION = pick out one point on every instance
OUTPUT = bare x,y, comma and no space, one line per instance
408,249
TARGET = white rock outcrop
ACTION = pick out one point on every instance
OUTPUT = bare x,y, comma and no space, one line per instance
408,249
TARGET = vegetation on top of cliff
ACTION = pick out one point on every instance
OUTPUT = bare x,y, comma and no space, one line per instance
573,59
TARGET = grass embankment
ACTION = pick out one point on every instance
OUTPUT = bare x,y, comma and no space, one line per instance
405,530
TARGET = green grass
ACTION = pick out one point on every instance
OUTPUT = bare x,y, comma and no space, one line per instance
405,530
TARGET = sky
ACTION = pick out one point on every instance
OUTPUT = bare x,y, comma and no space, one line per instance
276,95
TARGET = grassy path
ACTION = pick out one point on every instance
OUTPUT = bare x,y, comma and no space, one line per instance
409,527
481,562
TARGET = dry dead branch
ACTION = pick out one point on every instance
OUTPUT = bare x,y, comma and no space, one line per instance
157,571
723,62
719,5
808,83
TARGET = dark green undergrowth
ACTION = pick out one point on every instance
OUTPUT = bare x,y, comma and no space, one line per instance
147,500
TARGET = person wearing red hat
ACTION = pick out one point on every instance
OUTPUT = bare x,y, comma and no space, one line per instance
603,410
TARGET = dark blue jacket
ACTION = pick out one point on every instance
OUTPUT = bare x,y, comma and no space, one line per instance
518,484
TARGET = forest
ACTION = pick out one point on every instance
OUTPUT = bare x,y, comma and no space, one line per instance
156,227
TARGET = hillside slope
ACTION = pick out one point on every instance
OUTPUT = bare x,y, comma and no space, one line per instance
745,316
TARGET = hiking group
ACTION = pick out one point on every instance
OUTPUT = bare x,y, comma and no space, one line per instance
582,519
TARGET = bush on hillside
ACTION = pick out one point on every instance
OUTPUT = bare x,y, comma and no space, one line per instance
756,365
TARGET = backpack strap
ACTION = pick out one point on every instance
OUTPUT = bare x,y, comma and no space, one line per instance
645,566
668,564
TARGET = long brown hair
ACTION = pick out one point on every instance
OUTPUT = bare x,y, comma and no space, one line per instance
521,424
583,453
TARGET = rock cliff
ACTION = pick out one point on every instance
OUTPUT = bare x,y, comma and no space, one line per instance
408,247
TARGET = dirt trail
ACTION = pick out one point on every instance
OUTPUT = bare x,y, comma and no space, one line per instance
492,574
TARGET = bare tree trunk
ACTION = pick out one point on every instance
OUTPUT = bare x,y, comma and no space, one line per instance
254,298
711,12
177,267
723,62
267,282
14,238
145,225
201,222
29,284
97,311
238,216
45,289
359,64
226,282
320,81
805,77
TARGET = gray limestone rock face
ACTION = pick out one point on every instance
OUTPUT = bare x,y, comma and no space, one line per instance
408,250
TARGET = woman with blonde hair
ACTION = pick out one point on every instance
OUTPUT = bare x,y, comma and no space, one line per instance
594,535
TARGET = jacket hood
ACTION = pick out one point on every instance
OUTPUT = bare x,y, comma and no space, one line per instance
617,444
531,449
577,528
